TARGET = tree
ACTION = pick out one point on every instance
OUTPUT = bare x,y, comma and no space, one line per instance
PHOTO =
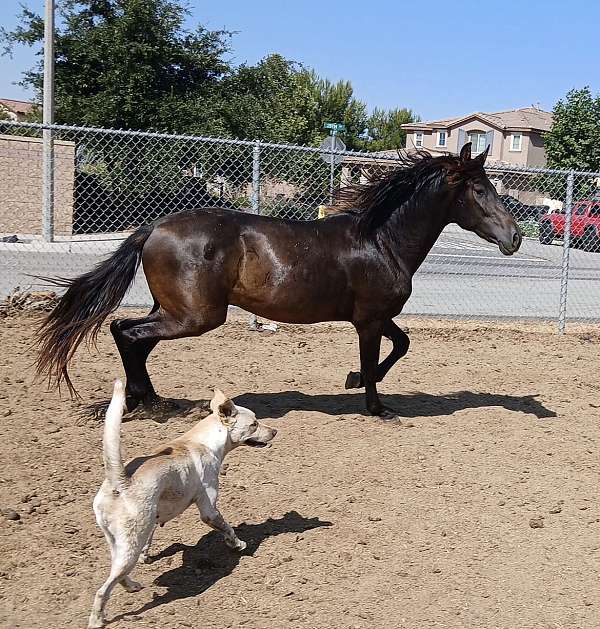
572,141
335,102
268,101
128,64
384,129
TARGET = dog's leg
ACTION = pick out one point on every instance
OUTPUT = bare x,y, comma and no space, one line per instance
144,556
211,516
124,558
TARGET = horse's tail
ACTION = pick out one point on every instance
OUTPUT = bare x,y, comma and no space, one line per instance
89,299
111,440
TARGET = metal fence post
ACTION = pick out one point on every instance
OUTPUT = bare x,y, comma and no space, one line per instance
255,201
564,280
47,133
256,178
332,168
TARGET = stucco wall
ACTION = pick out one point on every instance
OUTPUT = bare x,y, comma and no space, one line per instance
21,185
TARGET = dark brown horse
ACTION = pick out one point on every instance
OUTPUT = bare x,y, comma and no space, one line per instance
354,266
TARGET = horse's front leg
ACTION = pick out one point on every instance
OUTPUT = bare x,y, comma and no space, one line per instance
369,339
401,342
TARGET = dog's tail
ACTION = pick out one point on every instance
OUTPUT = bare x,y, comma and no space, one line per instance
111,442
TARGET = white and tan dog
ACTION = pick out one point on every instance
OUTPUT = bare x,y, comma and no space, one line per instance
154,489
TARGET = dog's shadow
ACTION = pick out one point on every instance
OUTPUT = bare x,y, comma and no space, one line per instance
210,560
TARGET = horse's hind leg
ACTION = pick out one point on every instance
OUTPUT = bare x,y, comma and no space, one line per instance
401,342
136,338
134,355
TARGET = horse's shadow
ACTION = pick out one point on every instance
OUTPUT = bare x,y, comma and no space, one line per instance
179,407
210,560
277,404
410,405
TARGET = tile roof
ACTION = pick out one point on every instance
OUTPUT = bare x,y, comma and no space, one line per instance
523,118
17,106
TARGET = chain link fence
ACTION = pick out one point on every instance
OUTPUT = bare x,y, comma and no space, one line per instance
108,182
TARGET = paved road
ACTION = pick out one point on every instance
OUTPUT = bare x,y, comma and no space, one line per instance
462,276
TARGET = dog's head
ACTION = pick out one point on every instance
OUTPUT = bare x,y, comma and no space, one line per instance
243,429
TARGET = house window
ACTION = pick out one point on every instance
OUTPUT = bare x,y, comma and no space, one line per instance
477,139
418,139
441,138
516,139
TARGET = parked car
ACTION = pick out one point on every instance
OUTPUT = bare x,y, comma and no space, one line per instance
585,226
521,211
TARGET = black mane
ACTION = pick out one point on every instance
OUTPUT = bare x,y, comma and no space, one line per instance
418,176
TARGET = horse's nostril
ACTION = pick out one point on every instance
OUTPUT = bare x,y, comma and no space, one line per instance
516,239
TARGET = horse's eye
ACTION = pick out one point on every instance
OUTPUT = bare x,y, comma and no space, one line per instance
479,191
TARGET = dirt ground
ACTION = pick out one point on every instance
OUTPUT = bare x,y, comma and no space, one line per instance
478,510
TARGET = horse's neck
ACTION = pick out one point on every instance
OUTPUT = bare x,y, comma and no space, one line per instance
414,234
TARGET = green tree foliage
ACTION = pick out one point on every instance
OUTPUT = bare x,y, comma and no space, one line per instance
572,142
132,64
384,129
128,64
335,102
268,101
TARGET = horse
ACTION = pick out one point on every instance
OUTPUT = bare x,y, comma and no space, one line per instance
355,265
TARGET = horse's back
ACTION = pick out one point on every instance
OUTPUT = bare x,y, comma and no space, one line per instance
271,266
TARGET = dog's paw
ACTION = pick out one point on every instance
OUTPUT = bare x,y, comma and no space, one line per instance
131,586
238,545
145,559
95,623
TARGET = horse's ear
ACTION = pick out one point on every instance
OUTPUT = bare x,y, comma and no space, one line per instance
480,159
465,153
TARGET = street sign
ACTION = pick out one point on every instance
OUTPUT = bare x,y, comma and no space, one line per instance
335,126
332,142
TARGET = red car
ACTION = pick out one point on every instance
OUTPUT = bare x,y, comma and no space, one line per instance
585,226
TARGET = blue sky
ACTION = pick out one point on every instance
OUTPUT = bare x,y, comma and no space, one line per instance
438,58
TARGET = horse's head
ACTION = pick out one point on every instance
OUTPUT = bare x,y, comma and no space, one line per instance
478,207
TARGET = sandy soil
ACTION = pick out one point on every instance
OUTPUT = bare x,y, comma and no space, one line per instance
350,522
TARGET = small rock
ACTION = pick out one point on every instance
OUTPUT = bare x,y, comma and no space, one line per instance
345,556
587,602
374,518
11,514
555,509
7,412
70,530
436,571
501,503
537,523
52,428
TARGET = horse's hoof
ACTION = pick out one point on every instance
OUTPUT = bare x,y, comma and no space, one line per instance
387,415
354,380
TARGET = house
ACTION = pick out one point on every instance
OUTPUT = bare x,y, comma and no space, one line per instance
515,137
16,109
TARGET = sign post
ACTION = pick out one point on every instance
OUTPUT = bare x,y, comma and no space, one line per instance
331,144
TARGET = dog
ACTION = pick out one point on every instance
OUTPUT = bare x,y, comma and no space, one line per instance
154,489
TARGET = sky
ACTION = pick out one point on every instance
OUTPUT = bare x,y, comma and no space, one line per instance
439,59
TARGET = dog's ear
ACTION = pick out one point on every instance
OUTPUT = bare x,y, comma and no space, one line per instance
228,412
218,398
222,406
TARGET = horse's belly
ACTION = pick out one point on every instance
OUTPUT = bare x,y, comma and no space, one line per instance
294,294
